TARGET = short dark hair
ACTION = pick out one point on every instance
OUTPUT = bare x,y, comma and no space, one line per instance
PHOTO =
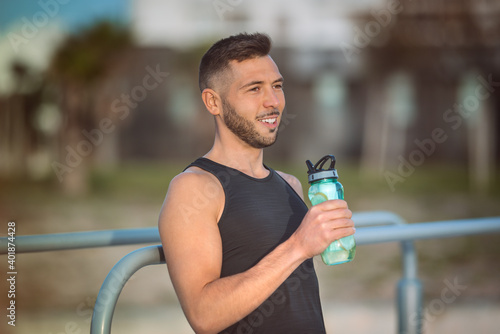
237,47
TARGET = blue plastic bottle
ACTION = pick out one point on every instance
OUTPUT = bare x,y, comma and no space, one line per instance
325,186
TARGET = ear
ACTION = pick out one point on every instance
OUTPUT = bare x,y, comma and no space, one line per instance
212,101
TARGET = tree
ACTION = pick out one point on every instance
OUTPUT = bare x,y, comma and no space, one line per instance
82,68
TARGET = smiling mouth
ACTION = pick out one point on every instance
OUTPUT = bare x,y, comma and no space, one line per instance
269,122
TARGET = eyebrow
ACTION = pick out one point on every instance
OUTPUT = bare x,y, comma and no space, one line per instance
280,79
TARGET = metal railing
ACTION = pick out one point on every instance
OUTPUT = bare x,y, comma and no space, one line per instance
373,227
79,240
115,281
106,238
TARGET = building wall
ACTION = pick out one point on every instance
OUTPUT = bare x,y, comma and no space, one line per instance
394,69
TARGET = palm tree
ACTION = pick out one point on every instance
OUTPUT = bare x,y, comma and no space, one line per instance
84,64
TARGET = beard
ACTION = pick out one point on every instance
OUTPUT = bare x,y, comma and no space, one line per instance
245,129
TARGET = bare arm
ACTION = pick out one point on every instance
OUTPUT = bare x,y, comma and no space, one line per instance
193,251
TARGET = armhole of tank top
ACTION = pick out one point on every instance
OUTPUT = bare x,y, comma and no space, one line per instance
290,186
200,166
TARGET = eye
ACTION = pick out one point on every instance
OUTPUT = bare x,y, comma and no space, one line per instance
278,85
254,89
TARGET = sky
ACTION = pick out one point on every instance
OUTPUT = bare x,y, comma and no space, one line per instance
30,29
70,13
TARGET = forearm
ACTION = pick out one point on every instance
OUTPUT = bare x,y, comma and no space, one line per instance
227,300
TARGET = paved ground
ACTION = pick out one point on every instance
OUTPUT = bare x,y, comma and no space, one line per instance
371,317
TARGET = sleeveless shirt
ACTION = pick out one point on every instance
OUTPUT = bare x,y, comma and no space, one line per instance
258,215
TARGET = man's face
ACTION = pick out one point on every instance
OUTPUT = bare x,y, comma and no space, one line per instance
254,101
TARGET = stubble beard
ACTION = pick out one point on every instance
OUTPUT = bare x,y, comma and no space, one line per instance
245,129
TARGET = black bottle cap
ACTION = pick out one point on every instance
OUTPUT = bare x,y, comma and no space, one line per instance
316,172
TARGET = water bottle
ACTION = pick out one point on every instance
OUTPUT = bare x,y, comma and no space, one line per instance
325,186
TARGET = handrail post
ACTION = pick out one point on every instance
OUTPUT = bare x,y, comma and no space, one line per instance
409,293
116,280
409,288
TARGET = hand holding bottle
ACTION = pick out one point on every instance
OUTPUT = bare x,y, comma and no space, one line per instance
325,186
323,224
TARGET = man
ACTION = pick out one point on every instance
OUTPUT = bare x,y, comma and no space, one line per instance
237,235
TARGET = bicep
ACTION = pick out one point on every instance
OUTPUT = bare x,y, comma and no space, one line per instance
190,237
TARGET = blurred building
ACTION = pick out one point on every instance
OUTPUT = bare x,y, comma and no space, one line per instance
370,79
306,40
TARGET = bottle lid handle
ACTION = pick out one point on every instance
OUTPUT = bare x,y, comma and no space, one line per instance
319,165
316,172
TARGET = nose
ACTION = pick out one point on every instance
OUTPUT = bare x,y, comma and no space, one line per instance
271,99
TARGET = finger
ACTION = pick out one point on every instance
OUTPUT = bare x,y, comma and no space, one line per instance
332,204
339,233
334,214
342,223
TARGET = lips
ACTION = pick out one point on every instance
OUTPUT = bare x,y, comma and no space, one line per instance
270,120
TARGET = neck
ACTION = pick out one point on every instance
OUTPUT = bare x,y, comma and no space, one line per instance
240,156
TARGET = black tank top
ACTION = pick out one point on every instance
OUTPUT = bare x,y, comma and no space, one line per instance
260,214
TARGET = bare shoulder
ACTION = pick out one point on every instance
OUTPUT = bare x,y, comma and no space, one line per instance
193,192
192,177
293,182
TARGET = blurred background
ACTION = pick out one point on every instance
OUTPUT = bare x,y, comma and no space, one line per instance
100,108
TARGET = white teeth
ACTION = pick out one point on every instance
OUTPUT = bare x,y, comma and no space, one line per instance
269,120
